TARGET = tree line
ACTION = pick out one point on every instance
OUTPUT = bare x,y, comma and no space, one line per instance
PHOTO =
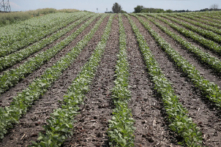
141,9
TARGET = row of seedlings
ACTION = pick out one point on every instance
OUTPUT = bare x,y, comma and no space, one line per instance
209,89
15,45
214,29
24,100
211,20
16,57
176,113
197,38
11,77
121,130
203,57
203,32
60,124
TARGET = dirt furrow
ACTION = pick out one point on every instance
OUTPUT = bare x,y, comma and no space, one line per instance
204,70
202,114
188,39
147,109
31,124
46,47
92,123
6,98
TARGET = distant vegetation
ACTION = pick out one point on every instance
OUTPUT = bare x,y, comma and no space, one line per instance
9,18
142,9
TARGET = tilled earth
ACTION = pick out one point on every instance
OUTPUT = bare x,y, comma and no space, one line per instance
91,125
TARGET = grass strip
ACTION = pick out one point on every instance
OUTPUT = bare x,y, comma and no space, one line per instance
11,59
60,124
176,113
121,130
203,57
24,100
13,76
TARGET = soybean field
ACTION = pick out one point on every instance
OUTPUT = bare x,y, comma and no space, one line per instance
120,80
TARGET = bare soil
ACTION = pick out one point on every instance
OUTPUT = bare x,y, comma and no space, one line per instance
199,109
92,126
7,97
147,109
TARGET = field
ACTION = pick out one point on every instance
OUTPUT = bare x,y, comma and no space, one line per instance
87,79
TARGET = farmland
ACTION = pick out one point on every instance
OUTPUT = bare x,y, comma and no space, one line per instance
91,79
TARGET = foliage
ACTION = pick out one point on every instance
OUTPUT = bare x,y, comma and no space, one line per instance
138,9
177,114
15,37
13,17
203,57
24,100
203,32
205,42
116,8
11,77
60,124
11,59
121,128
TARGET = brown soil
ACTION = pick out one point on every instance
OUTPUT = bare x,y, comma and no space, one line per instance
205,49
151,128
6,97
91,129
32,123
46,47
180,20
204,70
190,97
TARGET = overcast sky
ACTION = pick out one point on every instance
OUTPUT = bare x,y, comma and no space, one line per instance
102,5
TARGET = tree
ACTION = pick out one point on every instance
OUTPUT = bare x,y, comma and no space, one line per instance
214,7
138,9
116,8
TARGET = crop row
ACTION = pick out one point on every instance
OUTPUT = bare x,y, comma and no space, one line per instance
214,29
208,89
28,28
121,126
205,42
203,32
12,76
212,18
201,19
60,125
11,59
210,60
31,38
177,114
24,100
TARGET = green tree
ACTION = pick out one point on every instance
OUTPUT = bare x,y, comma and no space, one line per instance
138,9
116,8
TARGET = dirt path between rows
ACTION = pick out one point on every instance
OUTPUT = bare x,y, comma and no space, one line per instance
92,123
183,21
190,97
205,49
46,47
7,97
151,128
31,124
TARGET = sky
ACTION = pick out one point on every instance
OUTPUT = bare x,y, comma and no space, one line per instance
103,5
